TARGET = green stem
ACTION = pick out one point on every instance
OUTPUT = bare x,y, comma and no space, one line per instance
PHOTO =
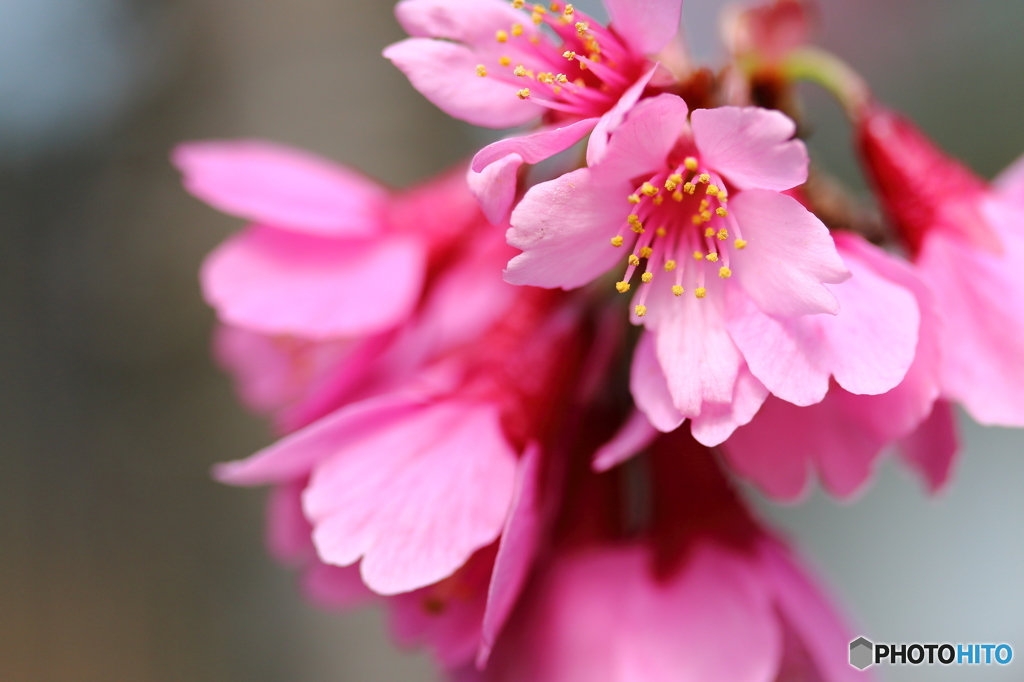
825,69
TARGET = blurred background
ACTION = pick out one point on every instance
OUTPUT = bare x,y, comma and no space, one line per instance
121,560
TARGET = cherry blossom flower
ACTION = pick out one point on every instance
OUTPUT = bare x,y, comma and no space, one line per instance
967,241
500,66
741,283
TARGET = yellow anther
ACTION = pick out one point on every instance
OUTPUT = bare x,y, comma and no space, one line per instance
724,272
518,4
703,205
678,290
669,185
569,54
646,277
579,82
709,232
504,61
520,71
721,212
555,7
562,78
648,189
689,187
537,17
546,77
740,243
517,30
697,220
481,70
557,90
583,67
634,220
501,36
569,10
712,190
659,200
640,310
713,257
670,265
581,27
535,39
594,57
523,94
697,255
703,178
690,163
705,215
661,232
617,240
633,260
646,252
722,197
622,287
539,9
723,234
676,178
677,195
633,198
700,292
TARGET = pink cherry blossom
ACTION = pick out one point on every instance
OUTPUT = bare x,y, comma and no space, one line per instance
492,65
967,240
742,283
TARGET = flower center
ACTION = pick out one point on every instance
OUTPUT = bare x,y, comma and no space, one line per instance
585,73
681,228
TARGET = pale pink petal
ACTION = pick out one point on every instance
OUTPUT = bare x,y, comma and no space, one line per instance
1010,183
414,499
535,147
789,255
646,25
772,450
751,147
642,143
276,282
445,73
982,298
564,227
288,531
295,455
495,187
808,611
839,439
718,421
649,387
282,187
696,353
516,552
612,119
335,587
932,449
635,434
473,22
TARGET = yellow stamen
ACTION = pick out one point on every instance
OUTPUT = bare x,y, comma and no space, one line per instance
678,290
518,4
705,215
504,61
501,36
677,195
724,272
659,200
520,71
646,252
562,78
648,189
646,277
697,255
690,163
721,212
617,240
713,257
481,70
622,287
555,7
538,15
569,9
661,232
517,29
709,232
704,178
703,205
633,198
634,260
581,27
723,234
712,190
740,243
670,265
689,187
700,292
641,310
569,54
523,94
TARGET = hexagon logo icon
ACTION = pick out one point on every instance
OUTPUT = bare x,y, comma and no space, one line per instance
861,650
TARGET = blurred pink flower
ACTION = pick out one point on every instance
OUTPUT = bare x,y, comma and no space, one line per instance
492,65
967,241
711,219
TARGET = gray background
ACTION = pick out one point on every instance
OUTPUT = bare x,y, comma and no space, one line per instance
121,560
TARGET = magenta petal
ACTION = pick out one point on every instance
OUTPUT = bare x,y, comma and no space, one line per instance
751,147
763,452
612,119
642,143
495,187
931,450
516,552
473,22
288,531
718,421
335,587
445,73
278,282
649,387
415,499
536,146
632,437
789,255
564,227
646,25
282,187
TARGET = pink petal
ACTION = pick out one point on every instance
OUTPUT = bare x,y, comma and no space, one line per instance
751,147
612,119
535,147
282,187
519,542
645,25
335,587
473,22
649,387
495,187
932,449
1010,183
642,143
288,531
717,421
564,227
414,499
445,73
276,282
635,434
789,255
295,455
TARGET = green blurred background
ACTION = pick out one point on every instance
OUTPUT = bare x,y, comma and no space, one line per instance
120,560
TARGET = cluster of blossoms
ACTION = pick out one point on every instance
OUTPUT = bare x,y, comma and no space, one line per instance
455,433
